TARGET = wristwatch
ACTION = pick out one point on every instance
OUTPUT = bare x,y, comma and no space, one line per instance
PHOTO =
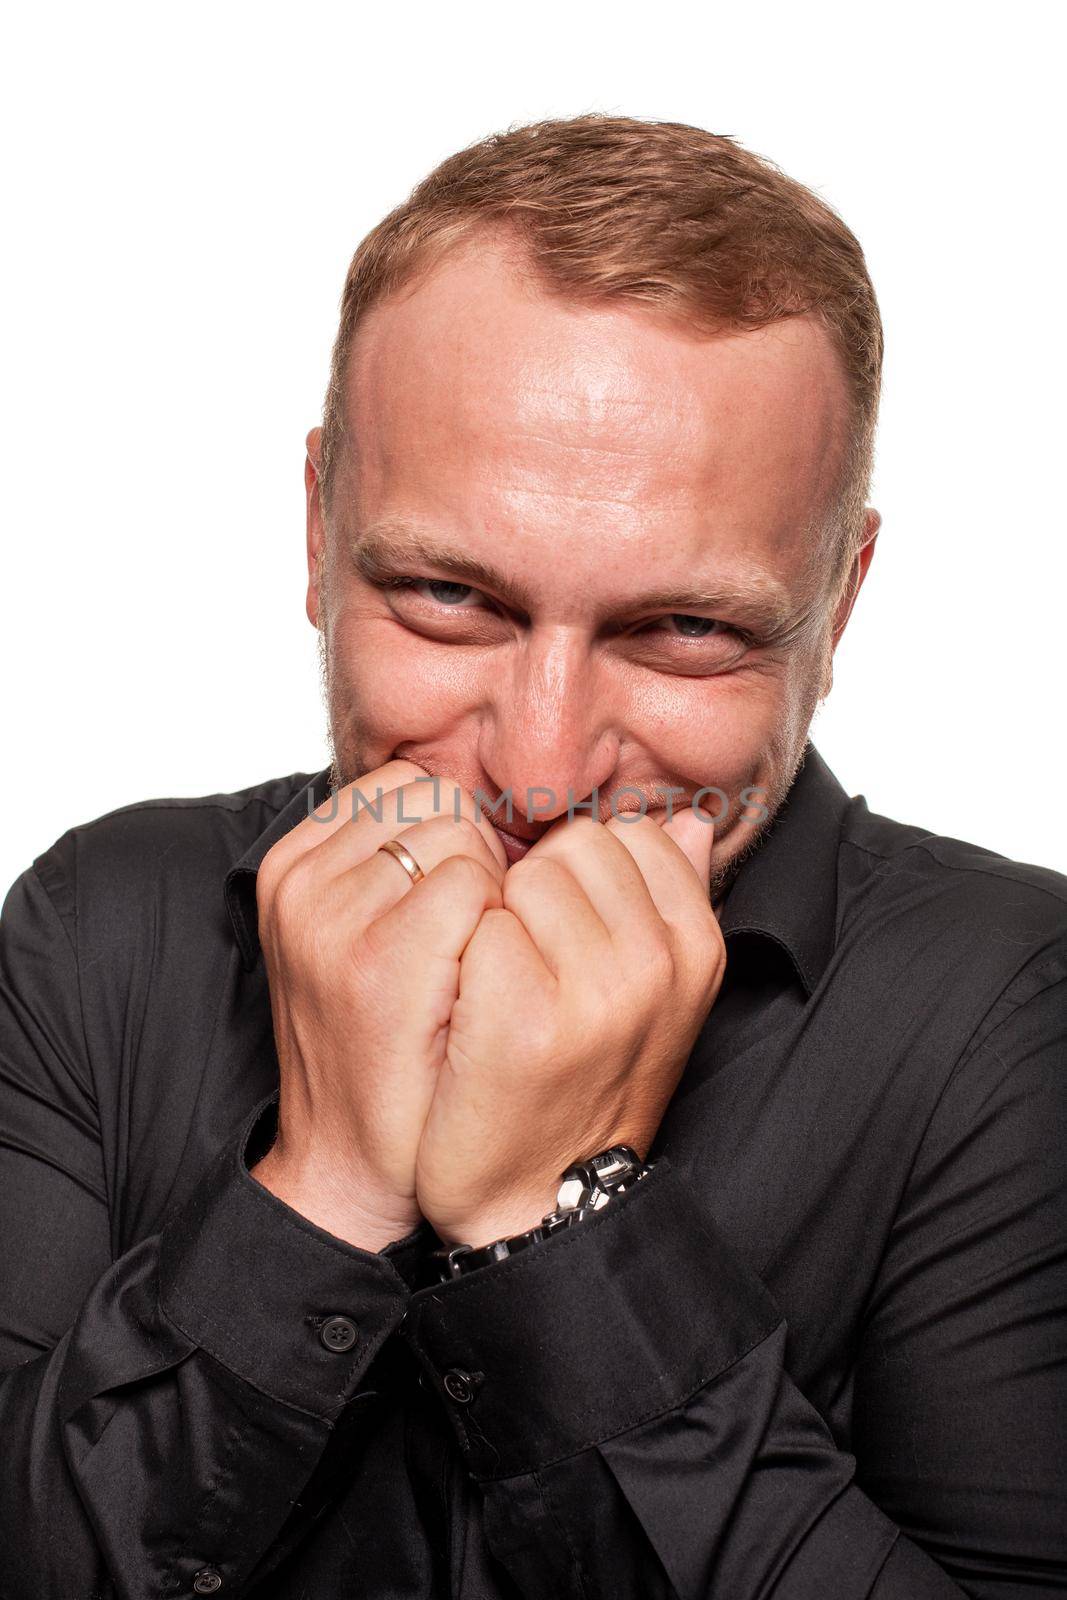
585,1187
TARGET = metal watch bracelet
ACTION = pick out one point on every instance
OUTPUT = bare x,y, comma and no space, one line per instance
585,1187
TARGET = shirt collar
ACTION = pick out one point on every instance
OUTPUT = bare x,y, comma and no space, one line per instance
786,891
240,884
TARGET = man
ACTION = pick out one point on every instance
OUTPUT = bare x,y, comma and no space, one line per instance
291,1077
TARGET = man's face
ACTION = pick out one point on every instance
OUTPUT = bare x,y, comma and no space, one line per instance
641,509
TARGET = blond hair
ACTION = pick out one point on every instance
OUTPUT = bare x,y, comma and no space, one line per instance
659,214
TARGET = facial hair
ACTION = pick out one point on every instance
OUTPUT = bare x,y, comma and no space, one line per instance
722,877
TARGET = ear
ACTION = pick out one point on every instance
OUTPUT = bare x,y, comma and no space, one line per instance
871,523
857,572
316,530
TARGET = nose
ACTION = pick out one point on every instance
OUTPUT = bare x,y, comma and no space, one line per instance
550,733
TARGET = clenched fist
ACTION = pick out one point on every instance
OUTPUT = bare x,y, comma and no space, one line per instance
363,969
579,1001
447,1047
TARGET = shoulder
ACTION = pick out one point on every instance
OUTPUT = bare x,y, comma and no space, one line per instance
971,948
175,847
951,916
945,877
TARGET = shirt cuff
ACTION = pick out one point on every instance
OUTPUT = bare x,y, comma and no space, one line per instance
279,1302
591,1331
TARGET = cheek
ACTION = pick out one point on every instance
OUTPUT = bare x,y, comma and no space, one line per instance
715,730
388,683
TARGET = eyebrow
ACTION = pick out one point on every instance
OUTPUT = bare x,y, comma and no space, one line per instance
380,555
389,551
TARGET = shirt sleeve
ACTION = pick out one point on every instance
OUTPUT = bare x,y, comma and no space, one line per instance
168,1418
621,1393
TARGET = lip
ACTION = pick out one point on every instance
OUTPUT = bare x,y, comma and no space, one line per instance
514,848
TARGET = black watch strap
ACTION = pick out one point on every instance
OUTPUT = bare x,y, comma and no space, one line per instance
585,1187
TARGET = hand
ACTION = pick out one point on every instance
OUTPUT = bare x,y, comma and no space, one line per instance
363,969
579,1001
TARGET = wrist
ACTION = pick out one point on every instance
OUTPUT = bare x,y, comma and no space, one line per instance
585,1187
511,1216
347,1212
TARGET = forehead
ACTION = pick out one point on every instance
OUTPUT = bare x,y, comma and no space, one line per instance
478,399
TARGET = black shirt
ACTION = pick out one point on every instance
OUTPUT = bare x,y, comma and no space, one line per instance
819,1353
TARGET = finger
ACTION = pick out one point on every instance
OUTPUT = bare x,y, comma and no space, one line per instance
607,874
443,835
664,856
381,881
338,808
556,912
426,932
408,804
500,959
693,831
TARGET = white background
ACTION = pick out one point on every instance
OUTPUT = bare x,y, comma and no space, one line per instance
184,188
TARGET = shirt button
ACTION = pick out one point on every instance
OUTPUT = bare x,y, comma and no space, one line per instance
337,1334
207,1581
459,1386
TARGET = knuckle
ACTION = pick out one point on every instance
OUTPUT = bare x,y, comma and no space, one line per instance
288,893
582,822
712,975
375,943
270,872
705,970
631,821
464,872
494,920
567,839
405,771
660,967
529,870
442,835
467,832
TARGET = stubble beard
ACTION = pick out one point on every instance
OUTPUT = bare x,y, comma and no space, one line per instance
787,765
338,779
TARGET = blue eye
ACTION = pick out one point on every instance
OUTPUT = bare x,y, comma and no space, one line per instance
693,627
448,593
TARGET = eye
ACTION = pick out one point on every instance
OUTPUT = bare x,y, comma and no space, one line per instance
445,592
694,627
681,625
680,641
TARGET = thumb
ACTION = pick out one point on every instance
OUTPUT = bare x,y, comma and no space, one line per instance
693,831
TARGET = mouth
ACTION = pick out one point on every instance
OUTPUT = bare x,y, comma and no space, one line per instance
514,848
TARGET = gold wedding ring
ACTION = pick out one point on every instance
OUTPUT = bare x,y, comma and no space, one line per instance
405,857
